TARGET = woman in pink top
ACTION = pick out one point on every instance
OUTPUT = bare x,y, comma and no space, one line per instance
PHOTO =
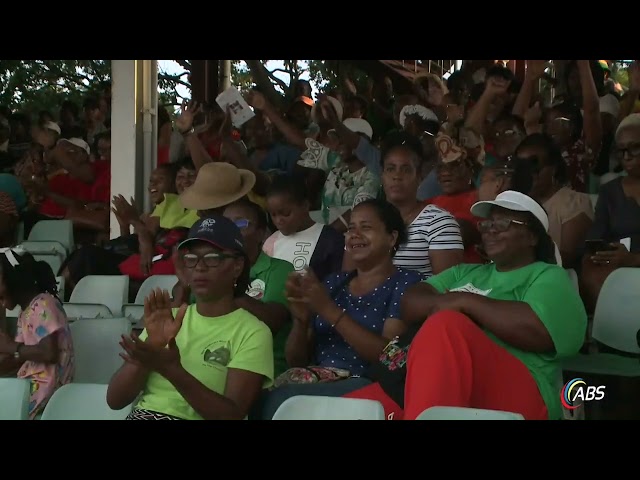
42,350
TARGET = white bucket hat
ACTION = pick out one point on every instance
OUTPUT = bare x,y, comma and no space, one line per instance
421,111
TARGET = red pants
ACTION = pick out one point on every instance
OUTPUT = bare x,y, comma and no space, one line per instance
453,363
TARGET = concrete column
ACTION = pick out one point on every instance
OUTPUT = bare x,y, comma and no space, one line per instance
147,85
133,131
125,174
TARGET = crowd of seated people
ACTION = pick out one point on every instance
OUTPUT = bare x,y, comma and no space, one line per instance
341,249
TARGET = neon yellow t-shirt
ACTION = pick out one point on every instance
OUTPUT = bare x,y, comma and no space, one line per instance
209,347
172,214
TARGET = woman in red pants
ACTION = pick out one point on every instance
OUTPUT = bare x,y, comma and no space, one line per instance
494,334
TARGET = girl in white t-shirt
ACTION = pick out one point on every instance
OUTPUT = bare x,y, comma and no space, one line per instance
299,240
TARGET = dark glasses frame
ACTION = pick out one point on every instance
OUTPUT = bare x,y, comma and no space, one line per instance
211,260
500,225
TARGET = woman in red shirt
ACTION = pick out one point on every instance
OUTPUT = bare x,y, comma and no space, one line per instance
455,176
70,188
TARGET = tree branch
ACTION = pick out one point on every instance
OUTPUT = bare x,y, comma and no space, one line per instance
277,80
261,77
173,78
186,64
288,72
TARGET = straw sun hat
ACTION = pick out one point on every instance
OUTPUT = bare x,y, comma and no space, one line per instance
218,184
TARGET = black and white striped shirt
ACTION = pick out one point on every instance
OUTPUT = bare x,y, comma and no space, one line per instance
433,229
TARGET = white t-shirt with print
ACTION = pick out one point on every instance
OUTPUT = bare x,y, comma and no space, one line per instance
296,249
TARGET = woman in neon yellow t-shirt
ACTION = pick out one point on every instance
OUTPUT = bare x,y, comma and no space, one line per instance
209,360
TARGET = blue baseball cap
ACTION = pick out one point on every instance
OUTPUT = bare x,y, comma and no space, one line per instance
218,231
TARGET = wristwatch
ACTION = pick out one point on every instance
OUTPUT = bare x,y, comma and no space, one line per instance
16,354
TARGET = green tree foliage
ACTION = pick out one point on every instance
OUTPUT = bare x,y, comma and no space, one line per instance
168,83
619,73
34,85
327,75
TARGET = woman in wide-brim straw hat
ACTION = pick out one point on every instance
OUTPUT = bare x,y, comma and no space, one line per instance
217,185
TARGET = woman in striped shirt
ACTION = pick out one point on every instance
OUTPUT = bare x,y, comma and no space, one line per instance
434,239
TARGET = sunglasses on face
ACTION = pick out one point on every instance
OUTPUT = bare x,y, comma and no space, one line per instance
500,225
632,151
211,260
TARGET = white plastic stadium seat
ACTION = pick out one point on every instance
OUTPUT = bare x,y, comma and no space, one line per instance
307,407
14,398
97,349
82,402
461,413
109,290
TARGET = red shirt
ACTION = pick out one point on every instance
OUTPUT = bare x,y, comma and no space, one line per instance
213,149
66,186
163,154
101,190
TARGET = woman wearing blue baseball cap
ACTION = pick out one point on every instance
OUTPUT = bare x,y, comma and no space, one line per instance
208,360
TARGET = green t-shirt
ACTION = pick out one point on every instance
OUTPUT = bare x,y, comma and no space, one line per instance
268,277
209,347
549,292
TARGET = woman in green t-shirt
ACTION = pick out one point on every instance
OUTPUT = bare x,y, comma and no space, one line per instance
487,336
209,360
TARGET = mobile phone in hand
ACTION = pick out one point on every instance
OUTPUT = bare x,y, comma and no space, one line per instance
594,246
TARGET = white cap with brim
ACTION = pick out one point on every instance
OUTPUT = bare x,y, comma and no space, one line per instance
337,106
78,142
357,125
53,126
516,201
610,104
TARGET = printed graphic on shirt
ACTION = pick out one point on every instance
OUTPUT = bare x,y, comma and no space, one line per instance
256,289
470,288
296,249
218,353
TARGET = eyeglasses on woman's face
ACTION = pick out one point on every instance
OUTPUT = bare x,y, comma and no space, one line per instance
630,151
242,223
211,260
498,225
